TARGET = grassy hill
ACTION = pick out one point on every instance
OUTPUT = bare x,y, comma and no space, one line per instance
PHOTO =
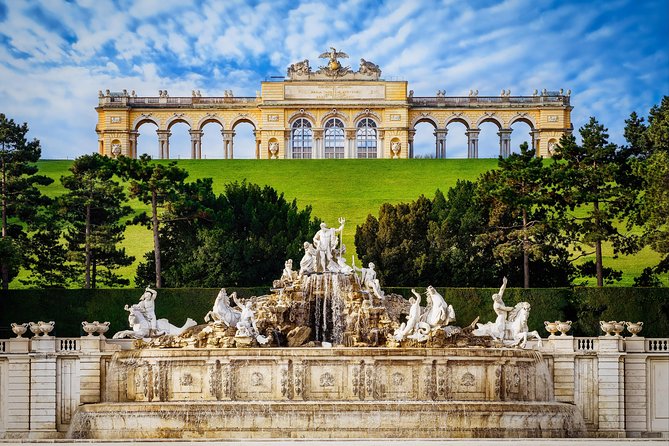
334,188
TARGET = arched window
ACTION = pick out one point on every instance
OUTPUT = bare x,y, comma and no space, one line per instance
334,138
366,138
301,139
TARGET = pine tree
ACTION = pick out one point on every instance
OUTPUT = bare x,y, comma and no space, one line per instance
20,199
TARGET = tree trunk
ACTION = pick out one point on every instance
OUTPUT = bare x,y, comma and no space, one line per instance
94,271
526,253
4,267
156,239
87,248
599,267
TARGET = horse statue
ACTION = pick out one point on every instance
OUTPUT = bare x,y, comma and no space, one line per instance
222,312
141,327
515,332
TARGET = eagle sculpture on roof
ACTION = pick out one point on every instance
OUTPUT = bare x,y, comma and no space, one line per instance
333,55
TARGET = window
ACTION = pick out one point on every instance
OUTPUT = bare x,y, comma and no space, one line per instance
301,139
334,138
366,138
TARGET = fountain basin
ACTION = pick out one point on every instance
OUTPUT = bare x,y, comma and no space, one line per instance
306,419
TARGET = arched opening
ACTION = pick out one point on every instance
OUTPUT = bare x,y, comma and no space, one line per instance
301,139
333,138
179,140
489,139
212,140
424,140
366,141
522,132
456,140
147,139
244,142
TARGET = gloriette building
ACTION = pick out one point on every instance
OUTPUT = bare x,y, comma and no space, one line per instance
332,112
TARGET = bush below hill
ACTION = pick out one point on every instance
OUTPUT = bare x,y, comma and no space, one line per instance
584,306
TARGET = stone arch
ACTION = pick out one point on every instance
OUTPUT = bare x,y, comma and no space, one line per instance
208,119
490,118
425,118
301,113
143,119
523,117
243,118
367,114
460,119
334,113
178,117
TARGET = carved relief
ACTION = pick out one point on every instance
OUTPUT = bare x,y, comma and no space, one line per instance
284,382
357,381
467,380
257,379
369,381
298,380
327,380
186,380
397,379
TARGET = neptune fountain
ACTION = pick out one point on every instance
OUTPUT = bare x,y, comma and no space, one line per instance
327,353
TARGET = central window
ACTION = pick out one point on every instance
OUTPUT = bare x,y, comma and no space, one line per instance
334,138
301,139
366,138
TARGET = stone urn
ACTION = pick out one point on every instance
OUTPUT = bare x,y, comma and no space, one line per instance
551,327
607,327
564,327
618,327
34,328
19,329
634,328
90,327
46,327
102,328
274,150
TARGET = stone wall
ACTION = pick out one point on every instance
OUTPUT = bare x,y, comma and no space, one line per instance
619,384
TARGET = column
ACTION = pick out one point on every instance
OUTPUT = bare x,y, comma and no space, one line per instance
43,387
412,133
256,134
318,143
195,144
132,142
15,373
473,143
504,142
101,147
440,136
380,146
163,144
636,385
535,141
611,386
350,143
288,150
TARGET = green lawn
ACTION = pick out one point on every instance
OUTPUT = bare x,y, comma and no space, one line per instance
335,188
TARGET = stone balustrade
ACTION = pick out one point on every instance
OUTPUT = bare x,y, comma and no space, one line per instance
619,384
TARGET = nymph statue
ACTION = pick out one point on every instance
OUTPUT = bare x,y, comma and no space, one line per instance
222,312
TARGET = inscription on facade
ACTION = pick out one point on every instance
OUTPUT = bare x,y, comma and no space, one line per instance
115,119
552,118
334,91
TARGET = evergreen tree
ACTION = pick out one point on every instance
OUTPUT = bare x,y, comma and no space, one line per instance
520,192
20,199
587,177
94,210
157,185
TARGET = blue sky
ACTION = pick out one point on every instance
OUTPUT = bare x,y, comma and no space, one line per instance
56,55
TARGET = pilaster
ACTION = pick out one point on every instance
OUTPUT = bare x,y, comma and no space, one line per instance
611,387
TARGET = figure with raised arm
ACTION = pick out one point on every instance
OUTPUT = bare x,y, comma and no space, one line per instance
369,280
325,242
501,310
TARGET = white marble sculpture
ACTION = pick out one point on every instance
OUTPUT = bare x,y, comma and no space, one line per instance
369,280
141,327
147,305
325,242
246,327
222,312
510,326
439,312
308,262
288,276
413,319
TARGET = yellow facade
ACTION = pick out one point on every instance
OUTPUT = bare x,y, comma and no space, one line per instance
335,114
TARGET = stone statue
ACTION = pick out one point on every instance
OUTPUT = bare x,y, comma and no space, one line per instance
308,262
222,312
439,313
395,148
141,327
333,55
274,150
246,327
369,68
147,306
510,326
299,68
412,320
288,275
325,242
369,280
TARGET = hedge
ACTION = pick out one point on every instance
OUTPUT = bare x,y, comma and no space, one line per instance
584,306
